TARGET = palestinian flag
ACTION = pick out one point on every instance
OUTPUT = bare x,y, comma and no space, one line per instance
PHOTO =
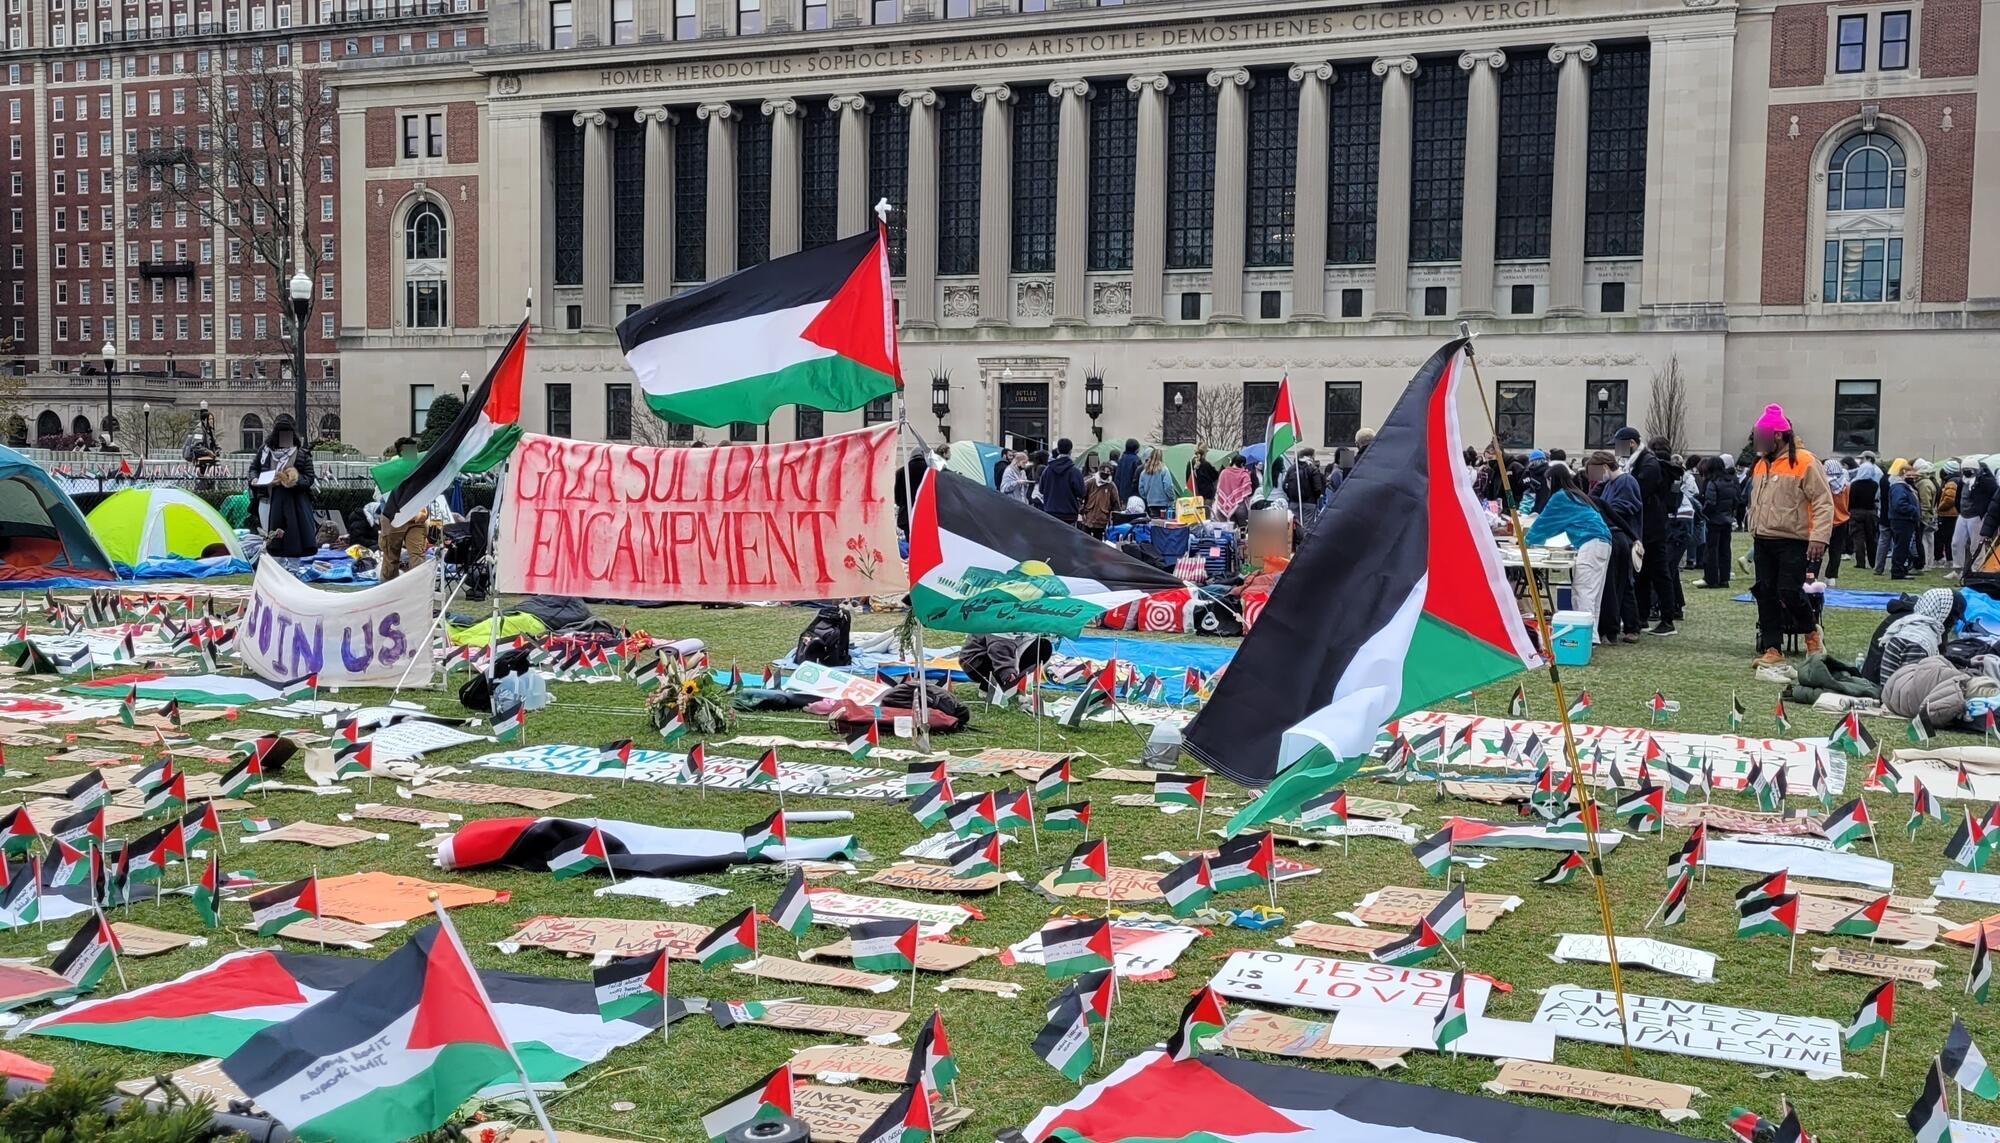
733,940
1179,789
146,858
17,832
931,1063
1325,811
201,823
482,434
84,829
767,834
1883,775
1772,885
509,721
1919,731
1864,921
208,895
1089,862
1580,706
972,814
1930,1117
1969,846
614,757
273,909
1979,977
306,686
768,1098
1763,784
1074,816
1064,1042
172,712
238,779
1093,990
696,762
1434,852
21,897
1646,804
357,758
1736,712
1778,715
907,1119
630,985
128,708
1769,915
930,806
920,776
1662,706
1922,805
168,797
1420,945
1201,1019
1848,824
1572,863
976,858
1189,886
793,911
1396,601
865,743
590,854
1673,909
88,792
1447,917
1964,779
765,772
1877,1012
1244,862
1851,736
1822,785
1075,947
1096,696
88,956
72,866
1966,1064
1282,433
816,329
1052,783
1451,1021
987,564
884,946
1012,809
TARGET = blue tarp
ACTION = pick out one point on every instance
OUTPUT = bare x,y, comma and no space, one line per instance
60,581
1842,597
1982,611
1167,658
175,567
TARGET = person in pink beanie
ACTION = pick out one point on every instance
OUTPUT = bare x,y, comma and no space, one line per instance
1790,520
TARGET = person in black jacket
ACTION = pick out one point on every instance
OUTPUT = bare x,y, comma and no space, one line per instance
1974,502
1061,485
1719,494
1655,588
1127,474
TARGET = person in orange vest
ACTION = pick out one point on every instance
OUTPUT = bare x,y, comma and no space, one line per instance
1790,520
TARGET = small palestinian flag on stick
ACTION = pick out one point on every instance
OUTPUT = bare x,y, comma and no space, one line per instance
1852,737
1065,1041
1073,816
1930,1117
1873,1018
1572,863
615,758
1662,707
1201,1019
1919,731
733,940
1966,1064
1517,706
304,687
976,858
1179,790
509,722
1580,706
1863,922
273,909
1076,947
1673,907
907,1119
793,911
865,743
208,894
1434,853
1848,824
768,1098
590,854
1188,887
1778,914
765,835
1451,1021
1979,977
884,946
1420,945
629,986
1089,862
89,953
1736,712
1052,784
128,708
1778,715
1922,805
1969,846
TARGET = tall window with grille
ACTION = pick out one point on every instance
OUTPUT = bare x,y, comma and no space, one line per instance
1343,413
819,174
1437,161
753,186
958,183
1614,205
1034,178
1190,173
1514,413
1260,400
1866,179
690,199
1114,157
1272,168
1527,156
566,173
628,192
1354,134
888,168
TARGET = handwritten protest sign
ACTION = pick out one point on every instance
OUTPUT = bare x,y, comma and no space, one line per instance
1679,960
1139,949
1275,1035
1400,906
872,1024
1123,885
350,638
933,879
1820,914
1692,1028
832,907
802,972
1524,1077
932,956
194,1081
833,683
142,941
1861,962
408,815
1341,938
316,834
376,898
613,936
1289,980
479,794
329,931
810,519
841,1114
841,1062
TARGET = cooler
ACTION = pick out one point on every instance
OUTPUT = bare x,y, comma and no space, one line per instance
1570,633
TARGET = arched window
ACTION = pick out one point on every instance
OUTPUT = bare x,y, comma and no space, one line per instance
80,425
1865,190
253,432
329,426
49,424
426,267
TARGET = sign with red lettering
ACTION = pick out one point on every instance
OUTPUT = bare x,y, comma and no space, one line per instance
809,519
1287,980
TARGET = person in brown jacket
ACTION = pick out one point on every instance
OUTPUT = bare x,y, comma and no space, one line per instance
1790,519
1100,501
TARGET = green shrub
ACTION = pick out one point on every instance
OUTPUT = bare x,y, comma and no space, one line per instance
71,1110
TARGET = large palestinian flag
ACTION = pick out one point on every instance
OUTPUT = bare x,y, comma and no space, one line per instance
482,434
213,1011
816,328
634,849
1223,1099
981,562
1395,601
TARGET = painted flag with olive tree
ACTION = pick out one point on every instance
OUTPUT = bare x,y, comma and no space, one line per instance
482,433
816,328
981,562
1395,601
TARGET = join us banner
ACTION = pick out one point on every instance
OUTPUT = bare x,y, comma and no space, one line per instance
802,520
350,637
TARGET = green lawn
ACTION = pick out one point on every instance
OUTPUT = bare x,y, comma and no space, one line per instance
1001,1078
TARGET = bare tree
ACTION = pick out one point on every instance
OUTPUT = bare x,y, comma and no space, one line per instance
264,138
1667,407
1217,419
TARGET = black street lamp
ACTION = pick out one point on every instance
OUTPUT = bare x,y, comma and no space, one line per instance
941,401
1093,401
110,425
300,288
147,440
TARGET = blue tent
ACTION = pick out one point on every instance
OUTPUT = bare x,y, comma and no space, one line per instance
42,535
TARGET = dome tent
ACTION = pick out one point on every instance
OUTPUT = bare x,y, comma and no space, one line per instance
42,535
158,522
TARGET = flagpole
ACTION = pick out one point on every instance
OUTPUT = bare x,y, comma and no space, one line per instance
1793,956
479,986
1884,1072
115,963
667,997
1555,686
429,634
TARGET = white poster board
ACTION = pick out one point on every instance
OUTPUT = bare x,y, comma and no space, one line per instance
1645,952
1693,1028
370,637
1279,979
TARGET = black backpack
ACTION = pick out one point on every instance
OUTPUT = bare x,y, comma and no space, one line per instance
825,639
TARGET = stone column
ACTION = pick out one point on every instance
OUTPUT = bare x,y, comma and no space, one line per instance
596,217
855,213
1149,201
659,221
785,160
1477,217
721,119
1392,190
1309,198
1072,201
996,247
1572,165
1232,149
920,214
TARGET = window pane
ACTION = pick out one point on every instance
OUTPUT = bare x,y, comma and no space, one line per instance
1034,179
1604,412
618,412
690,199
958,183
559,410
1437,161
566,163
888,165
1353,135
819,174
1343,413
1190,172
753,186
1615,185
1514,409
1856,415
1273,163
1527,156
1895,52
1260,400
1114,138
628,192
811,424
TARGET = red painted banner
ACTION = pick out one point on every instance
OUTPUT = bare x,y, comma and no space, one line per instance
801,520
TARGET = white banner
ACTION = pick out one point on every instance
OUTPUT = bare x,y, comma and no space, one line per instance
1286,980
352,638
1693,1028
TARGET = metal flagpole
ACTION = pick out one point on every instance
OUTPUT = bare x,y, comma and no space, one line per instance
429,634
114,947
1555,686
527,1088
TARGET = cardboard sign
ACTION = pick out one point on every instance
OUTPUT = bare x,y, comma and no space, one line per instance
832,1019
1673,1101
841,1114
139,941
481,794
1339,938
408,815
1819,915
1284,980
614,936
934,879
1027,763
1862,962
932,956
1004,989
833,683
1139,949
370,637
1401,906
1125,774
313,833
1731,819
841,1063
205,1078
377,898
768,967
1644,952
811,519
1490,793
1964,885
1275,1035
23,984
1124,885
846,910
1692,1028
329,931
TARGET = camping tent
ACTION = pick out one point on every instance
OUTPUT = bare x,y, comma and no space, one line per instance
157,522
1177,458
42,535
974,460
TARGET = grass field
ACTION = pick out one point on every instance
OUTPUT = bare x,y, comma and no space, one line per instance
1001,1078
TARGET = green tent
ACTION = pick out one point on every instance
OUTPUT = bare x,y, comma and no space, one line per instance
1177,456
159,522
